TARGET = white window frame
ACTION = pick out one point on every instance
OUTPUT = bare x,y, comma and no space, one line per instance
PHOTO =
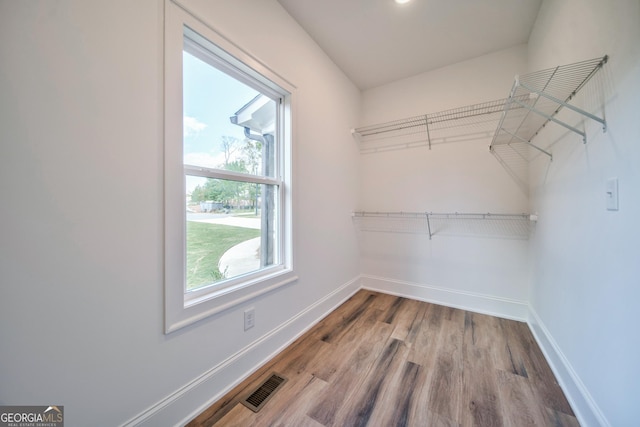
185,308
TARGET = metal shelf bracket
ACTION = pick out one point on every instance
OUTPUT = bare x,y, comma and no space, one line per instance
603,122
548,117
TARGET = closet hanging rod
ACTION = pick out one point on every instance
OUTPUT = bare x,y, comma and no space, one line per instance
447,215
487,224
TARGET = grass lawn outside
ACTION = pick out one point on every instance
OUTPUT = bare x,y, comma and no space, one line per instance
206,243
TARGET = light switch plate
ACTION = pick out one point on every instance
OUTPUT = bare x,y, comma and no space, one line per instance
612,194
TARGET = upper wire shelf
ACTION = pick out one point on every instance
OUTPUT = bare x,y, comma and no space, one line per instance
539,97
471,122
509,125
468,123
535,99
509,226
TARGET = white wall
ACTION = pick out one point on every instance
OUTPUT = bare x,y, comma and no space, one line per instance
81,259
586,259
81,305
477,80
451,177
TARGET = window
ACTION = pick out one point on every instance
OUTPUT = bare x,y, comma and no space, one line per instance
227,174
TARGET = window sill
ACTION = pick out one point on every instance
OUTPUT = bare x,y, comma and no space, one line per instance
216,302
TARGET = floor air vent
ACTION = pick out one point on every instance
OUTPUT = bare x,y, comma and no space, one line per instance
258,398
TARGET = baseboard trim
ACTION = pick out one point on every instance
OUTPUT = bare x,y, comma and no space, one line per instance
194,397
478,303
585,408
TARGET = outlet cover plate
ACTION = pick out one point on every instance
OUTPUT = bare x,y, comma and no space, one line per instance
249,318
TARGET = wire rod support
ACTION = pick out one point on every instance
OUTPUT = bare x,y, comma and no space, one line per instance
566,105
553,119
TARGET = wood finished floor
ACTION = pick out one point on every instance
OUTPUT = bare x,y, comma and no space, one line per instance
381,360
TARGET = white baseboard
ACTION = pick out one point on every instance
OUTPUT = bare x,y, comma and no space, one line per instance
479,303
194,397
583,405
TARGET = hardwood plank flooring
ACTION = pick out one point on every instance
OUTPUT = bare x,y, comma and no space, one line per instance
381,360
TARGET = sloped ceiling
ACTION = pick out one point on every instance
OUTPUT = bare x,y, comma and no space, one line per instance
375,42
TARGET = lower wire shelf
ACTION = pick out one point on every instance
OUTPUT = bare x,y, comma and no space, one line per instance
506,226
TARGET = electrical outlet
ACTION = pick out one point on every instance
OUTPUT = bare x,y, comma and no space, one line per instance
249,318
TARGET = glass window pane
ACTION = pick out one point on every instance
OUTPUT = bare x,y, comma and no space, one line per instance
227,124
230,229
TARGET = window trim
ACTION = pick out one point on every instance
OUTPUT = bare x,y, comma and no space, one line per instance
181,311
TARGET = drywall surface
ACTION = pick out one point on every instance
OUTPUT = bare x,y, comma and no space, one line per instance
481,79
586,270
81,258
451,177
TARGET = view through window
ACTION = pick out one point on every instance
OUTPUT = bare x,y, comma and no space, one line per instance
231,171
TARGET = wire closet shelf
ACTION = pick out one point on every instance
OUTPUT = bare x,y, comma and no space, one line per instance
535,99
467,123
509,226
